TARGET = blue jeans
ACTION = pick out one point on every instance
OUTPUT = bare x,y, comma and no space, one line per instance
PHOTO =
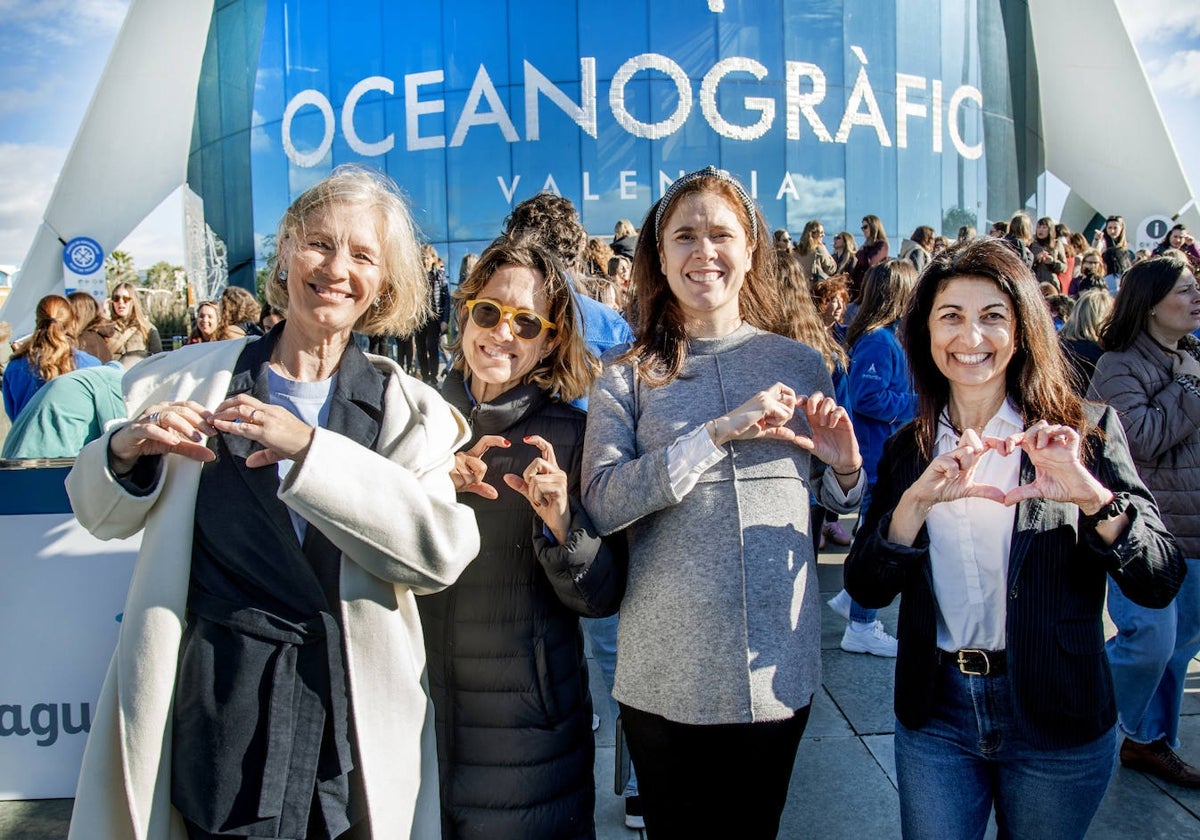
858,612
970,756
1149,658
602,632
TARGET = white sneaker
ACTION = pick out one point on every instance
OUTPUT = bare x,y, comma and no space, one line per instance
874,640
840,604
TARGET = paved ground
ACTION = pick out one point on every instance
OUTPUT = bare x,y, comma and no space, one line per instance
844,782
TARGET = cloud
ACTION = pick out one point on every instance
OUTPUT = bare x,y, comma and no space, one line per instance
62,22
1178,74
28,172
1160,20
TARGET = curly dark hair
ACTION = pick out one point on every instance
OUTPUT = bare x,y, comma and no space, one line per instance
553,223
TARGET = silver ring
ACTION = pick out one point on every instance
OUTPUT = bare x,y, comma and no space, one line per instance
152,417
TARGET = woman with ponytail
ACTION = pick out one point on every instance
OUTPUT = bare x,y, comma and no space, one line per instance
48,353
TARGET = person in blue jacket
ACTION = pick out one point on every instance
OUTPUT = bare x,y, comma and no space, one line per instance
48,353
881,400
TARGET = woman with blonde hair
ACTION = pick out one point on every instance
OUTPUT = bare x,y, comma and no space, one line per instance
845,250
1080,335
48,353
814,259
269,677
134,331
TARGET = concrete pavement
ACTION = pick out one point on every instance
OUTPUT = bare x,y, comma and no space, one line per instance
844,782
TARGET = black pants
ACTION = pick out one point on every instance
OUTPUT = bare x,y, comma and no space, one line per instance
729,780
427,351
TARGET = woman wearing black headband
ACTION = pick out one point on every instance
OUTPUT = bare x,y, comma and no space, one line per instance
703,439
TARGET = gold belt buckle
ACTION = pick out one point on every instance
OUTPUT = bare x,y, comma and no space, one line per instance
964,664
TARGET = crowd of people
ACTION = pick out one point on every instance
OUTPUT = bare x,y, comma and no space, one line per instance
365,578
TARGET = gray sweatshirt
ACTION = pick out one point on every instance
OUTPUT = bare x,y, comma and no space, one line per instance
721,618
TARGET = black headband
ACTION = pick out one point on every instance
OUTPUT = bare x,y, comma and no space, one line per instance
707,172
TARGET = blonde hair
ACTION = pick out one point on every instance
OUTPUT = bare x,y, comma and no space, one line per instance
403,301
1092,310
136,317
569,368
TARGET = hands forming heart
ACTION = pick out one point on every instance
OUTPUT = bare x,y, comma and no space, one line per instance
1053,450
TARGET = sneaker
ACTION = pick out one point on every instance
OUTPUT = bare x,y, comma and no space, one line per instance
874,640
595,722
633,812
1158,759
840,604
835,533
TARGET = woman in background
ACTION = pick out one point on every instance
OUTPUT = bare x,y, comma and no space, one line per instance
134,332
881,401
1049,257
918,248
1080,336
208,323
239,314
48,353
845,251
1180,239
814,259
94,328
874,250
1150,374
1110,241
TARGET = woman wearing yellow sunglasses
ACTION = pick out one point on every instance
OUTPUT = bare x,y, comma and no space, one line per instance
506,669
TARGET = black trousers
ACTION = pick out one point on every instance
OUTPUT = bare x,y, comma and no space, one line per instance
728,780
427,351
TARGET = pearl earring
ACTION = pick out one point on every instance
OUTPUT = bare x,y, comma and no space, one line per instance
283,275
377,301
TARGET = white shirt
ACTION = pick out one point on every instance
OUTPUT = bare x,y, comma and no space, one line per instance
969,541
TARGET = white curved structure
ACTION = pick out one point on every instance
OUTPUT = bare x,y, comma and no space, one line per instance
132,148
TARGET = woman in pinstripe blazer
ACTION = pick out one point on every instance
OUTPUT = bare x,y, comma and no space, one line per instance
1007,502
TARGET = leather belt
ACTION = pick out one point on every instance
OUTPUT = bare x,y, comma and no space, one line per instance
975,662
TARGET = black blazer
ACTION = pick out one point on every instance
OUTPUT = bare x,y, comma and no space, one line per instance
1058,568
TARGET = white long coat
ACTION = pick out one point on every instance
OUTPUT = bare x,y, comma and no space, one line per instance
394,515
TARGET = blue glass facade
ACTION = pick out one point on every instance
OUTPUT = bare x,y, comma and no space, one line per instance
828,109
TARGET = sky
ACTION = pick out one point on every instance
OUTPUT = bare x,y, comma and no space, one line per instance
55,50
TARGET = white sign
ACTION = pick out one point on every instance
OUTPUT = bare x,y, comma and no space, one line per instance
83,267
61,596
1151,231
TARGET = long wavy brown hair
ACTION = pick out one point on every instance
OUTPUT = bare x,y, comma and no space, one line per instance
1037,379
660,344
50,350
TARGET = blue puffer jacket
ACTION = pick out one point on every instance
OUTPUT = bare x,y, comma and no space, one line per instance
881,394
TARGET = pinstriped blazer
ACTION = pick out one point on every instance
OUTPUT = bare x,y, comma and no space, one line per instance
1057,572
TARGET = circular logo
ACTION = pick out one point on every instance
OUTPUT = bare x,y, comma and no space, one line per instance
83,255
1151,230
